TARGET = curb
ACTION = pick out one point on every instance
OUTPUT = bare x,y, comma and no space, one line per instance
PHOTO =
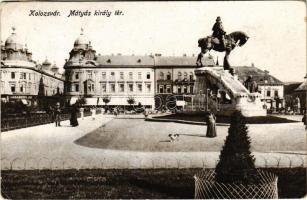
182,121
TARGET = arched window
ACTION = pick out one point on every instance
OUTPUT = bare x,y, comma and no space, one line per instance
168,76
179,76
185,75
161,76
191,76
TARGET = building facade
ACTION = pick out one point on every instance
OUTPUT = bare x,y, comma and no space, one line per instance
147,79
270,88
116,77
21,77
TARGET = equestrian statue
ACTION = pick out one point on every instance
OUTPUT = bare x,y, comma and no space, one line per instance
221,42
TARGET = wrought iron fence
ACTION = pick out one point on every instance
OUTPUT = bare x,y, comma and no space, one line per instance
11,123
135,162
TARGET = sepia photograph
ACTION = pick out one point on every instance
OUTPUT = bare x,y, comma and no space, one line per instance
153,100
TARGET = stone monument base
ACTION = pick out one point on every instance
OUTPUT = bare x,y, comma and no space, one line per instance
222,93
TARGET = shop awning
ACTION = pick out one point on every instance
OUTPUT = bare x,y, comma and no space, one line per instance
25,102
73,100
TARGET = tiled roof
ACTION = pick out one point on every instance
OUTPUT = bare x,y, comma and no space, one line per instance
291,87
182,61
302,87
158,61
124,60
260,76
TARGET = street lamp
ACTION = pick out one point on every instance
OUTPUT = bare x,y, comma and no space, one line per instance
207,106
217,100
200,98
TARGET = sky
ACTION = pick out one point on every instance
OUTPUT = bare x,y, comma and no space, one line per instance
277,30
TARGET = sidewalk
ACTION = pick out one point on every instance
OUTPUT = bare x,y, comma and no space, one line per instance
47,146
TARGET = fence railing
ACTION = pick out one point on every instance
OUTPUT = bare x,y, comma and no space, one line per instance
11,123
135,162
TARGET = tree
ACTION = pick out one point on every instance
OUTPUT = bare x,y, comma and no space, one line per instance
41,98
106,99
41,87
131,100
81,101
236,163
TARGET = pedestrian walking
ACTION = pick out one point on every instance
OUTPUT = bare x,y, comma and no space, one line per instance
57,113
82,113
73,116
93,110
211,128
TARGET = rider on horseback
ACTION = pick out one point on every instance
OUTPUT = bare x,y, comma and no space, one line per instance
218,31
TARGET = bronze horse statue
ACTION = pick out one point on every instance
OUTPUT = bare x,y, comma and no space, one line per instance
237,38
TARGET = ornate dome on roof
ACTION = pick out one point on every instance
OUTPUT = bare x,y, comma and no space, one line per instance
13,41
54,67
81,41
46,65
46,62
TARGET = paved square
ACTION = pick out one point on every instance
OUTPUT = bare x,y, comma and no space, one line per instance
134,143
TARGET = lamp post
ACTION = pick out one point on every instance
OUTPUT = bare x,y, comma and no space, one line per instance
217,100
207,102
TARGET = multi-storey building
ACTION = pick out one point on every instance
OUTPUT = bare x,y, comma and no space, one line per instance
144,78
121,77
175,78
117,77
21,77
270,88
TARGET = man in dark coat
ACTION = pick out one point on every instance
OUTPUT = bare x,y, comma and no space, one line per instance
57,113
74,116
250,84
218,31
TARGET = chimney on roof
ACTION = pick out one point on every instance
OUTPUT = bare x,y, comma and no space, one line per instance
193,55
185,55
158,54
253,65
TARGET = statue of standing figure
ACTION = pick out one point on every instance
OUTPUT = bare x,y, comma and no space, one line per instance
221,42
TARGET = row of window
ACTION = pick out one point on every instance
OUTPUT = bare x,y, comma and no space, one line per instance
112,75
268,93
121,88
179,75
180,89
30,76
23,88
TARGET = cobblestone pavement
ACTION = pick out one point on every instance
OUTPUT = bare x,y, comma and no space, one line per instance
47,146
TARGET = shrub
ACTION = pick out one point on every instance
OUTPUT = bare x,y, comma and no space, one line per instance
236,163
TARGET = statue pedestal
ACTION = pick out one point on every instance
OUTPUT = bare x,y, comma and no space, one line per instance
220,92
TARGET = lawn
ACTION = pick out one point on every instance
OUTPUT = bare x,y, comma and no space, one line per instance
125,183
147,136
200,117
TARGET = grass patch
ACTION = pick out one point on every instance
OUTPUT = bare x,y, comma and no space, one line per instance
200,117
124,183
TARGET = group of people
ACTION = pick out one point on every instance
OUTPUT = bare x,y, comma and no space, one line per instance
73,115
74,110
